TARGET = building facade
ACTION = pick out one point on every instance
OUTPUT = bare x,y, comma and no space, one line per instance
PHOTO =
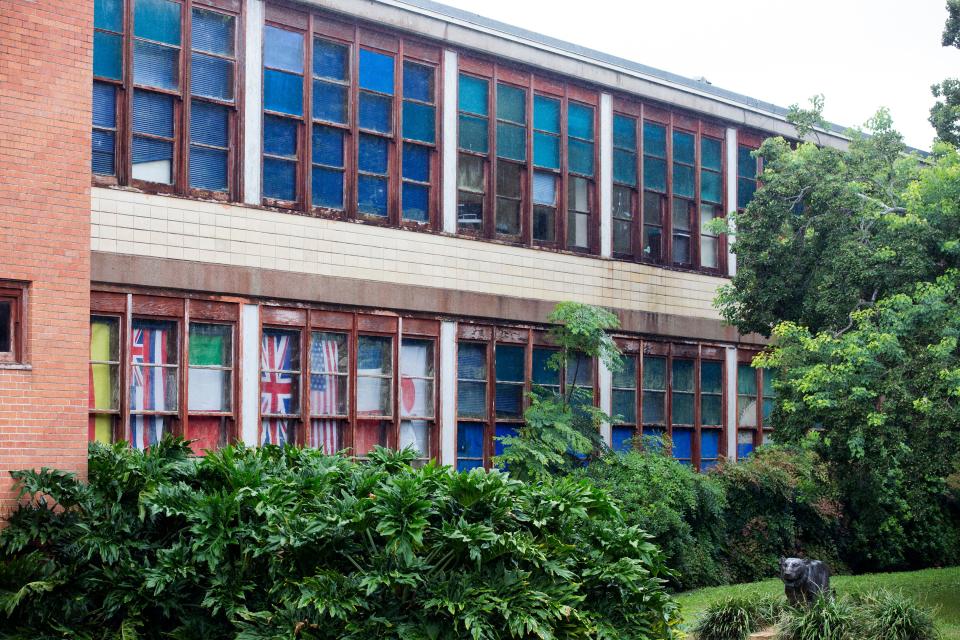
343,223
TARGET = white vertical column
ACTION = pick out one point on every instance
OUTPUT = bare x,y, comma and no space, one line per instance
448,392
605,389
731,399
449,141
731,196
252,100
606,174
250,374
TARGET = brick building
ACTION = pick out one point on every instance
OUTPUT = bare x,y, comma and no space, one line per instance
342,223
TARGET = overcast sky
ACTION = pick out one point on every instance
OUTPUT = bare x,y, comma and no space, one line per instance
861,54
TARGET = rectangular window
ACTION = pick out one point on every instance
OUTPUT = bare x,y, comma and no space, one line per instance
180,134
417,395
580,162
511,144
684,196
210,385
711,412
374,393
625,198
471,405
748,168
329,390
755,402
473,99
546,162
624,405
104,378
654,399
283,63
154,380
655,189
279,386
711,200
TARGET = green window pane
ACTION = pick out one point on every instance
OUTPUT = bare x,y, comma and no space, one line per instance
626,377
655,373
546,114
682,408
473,134
542,373
624,132
473,95
711,410
746,380
210,345
157,20
746,163
580,121
746,188
711,186
683,147
682,375
625,406
625,167
511,104
108,14
653,407
511,141
655,174
768,378
580,156
107,55
654,140
711,376
683,182
710,153
546,151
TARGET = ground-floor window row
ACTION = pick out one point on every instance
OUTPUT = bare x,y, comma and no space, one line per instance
348,380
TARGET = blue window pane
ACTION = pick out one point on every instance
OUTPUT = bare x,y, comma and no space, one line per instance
279,179
711,186
108,14
509,363
624,132
157,20
682,444
683,183
107,55
622,440
511,104
150,150
327,146
419,122
327,188
211,77
376,71
546,151
580,156
473,134
546,114
746,163
282,92
710,443
509,400
545,189
472,399
654,174
683,150
710,153
744,450
213,32
503,431
209,124
654,140
416,163
153,113
373,154
416,202
471,361
542,373
417,82
330,60
282,49
746,188
208,169
467,465
156,65
580,121
375,112
473,95
511,141
625,167
329,102
279,136
104,105
470,440
103,152
372,195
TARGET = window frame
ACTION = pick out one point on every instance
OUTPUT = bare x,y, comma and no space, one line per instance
125,88
16,293
761,431
672,120
748,140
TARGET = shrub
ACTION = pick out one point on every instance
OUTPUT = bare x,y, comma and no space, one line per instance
682,510
286,542
889,615
827,618
737,617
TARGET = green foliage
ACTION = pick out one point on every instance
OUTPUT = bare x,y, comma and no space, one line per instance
735,618
890,615
827,618
682,510
807,120
582,328
284,542
878,615
945,113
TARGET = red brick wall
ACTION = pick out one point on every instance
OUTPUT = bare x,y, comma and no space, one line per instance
45,87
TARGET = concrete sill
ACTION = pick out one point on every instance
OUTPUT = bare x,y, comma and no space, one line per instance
15,366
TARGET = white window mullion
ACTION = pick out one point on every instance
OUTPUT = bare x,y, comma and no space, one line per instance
252,101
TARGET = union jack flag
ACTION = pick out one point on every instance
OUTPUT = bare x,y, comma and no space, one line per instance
276,387
324,432
148,392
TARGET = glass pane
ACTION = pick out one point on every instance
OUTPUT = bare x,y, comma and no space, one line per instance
472,399
625,167
153,388
503,431
376,112
509,400
578,194
276,431
652,243
104,105
282,49
152,160
625,405
473,134
508,180
511,103
279,136
369,434
416,163
104,335
108,14
682,408
211,345
279,179
711,412
682,375
374,152
710,444
372,195
622,439
654,372
327,146
208,169
624,132
626,377
746,380
542,373
546,114
326,435
473,95
209,389
580,157
508,217
683,150
509,363
212,31
711,155
416,202
681,214
469,212
654,174
153,114
157,20
374,395
470,173
579,371
279,393
329,353
654,140
156,65
374,355
147,431
746,188
280,350
544,188
653,407
419,122
417,82
578,230
544,224
415,435
546,150
682,440
683,182
708,252
328,395
768,377
471,361
107,55
330,60
282,92
469,441
652,204
746,163
580,121
711,376
744,444
209,124
416,397
329,102
416,358
711,186
511,141
746,411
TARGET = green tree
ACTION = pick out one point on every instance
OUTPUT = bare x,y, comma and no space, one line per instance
945,114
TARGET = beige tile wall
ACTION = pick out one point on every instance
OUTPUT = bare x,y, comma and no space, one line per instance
168,227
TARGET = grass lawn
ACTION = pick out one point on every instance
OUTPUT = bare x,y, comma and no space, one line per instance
938,588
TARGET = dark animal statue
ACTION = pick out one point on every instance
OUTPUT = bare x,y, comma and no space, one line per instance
804,580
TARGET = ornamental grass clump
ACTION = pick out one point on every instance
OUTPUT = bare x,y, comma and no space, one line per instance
273,543
827,618
890,615
737,617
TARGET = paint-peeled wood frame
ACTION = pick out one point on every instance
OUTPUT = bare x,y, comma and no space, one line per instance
14,294
182,97
763,427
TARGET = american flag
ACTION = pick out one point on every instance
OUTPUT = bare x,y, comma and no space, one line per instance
276,388
148,392
324,433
